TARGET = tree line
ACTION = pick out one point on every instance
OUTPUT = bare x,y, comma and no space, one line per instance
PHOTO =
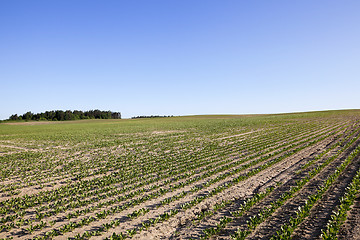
59,115
152,116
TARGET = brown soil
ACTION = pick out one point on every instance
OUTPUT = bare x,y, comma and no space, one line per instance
350,230
181,226
282,172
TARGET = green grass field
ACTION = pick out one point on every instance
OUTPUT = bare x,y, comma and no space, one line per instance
275,176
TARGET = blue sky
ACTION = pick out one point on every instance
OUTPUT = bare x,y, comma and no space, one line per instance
152,57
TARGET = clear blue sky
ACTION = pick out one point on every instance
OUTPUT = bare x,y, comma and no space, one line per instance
179,57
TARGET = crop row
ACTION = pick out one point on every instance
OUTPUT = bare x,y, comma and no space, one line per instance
255,220
242,177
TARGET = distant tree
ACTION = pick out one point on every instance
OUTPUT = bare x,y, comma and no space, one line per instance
14,117
79,114
116,115
69,115
97,114
152,116
50,115
60,115
27,116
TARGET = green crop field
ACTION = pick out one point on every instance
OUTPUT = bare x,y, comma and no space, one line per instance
284,176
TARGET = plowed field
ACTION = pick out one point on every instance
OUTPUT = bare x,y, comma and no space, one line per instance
280,176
